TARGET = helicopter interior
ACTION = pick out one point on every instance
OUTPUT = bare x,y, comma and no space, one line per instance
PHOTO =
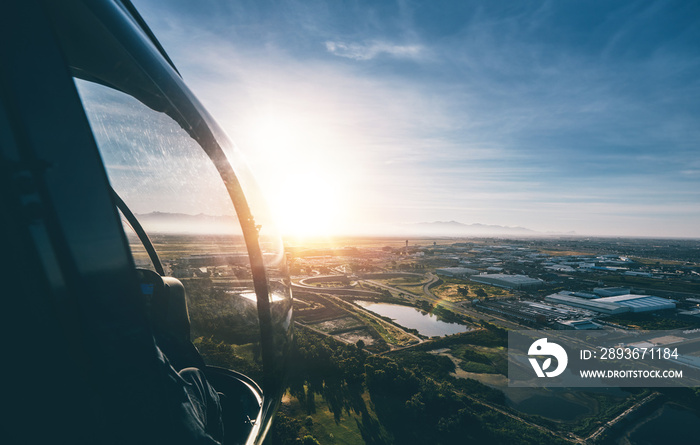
90,316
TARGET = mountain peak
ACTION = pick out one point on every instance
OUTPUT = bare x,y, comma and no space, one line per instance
456,228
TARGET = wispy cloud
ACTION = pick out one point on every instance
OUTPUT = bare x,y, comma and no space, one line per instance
527,115
371,50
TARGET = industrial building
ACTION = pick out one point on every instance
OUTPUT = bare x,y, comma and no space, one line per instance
586,295
456,272
611,291
577,325
508,281
560,268
535,311
614,305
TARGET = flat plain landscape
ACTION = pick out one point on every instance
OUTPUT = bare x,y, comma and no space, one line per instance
364,372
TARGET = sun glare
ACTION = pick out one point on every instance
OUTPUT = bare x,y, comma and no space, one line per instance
305,205
302,181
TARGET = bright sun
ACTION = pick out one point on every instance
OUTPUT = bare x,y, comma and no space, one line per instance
301,180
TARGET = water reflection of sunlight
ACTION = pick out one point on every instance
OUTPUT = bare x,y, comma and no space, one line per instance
250,295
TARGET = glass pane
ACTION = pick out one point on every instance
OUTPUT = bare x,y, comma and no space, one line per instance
176,193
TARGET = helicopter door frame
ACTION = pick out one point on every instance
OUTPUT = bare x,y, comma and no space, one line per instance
82,257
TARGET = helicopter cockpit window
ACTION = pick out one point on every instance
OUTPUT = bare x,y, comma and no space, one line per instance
176,193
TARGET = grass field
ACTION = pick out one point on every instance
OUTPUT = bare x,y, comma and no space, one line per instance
401,281
416,289
449,291
481,359
655,261
322,424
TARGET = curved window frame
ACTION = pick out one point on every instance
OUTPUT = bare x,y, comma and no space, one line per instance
108,43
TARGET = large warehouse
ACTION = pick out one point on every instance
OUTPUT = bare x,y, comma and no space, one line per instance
614,305
507,281
456,272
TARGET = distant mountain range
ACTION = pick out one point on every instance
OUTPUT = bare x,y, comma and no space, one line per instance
164,222
454,228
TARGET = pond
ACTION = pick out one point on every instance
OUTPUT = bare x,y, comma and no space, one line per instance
412,318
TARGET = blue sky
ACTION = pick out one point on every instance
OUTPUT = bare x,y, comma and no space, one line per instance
556,116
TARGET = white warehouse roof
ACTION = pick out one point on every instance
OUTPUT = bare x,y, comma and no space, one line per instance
456,271
615,305
593,305
641,303
505,280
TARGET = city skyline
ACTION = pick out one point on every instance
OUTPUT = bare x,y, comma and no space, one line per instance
555,117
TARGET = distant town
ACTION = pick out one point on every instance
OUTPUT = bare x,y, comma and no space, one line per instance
546,283
375,313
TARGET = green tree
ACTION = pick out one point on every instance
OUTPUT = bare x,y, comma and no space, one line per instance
285,431
310,440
